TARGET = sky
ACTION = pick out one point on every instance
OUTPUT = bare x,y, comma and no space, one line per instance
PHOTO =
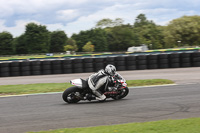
72,16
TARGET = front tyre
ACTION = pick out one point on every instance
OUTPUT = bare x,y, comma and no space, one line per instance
71,95
124,92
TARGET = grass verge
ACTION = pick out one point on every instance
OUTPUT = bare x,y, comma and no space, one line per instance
58,87
190,125
28,57
133,83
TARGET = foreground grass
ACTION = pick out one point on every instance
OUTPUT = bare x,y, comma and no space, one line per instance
191,125
58,87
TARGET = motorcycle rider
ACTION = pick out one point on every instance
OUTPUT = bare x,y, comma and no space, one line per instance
103,78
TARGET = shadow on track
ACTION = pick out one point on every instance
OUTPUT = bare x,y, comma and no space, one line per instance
95,102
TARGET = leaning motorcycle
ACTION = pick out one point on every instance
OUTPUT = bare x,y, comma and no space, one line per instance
81,91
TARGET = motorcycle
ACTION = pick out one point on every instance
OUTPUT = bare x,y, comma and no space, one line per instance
81,91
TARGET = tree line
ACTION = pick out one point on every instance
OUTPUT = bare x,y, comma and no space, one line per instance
106,35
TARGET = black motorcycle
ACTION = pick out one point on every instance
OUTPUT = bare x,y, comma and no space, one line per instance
81,91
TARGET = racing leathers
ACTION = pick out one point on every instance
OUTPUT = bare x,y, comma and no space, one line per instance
101,80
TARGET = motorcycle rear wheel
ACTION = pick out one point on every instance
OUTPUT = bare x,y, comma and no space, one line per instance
70,95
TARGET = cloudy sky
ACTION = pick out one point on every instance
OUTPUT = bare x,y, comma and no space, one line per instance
73,16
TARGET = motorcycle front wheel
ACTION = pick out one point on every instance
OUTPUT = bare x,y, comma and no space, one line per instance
123,94
71,95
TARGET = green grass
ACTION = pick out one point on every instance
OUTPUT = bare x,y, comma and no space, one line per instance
191,125
32,88
31,56
149,82
58,87
22,57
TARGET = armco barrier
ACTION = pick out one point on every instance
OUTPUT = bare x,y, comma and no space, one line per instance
92,64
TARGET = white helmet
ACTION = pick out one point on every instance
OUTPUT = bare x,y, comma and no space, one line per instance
110,69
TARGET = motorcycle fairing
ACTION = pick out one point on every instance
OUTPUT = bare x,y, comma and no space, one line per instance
77,82
80,83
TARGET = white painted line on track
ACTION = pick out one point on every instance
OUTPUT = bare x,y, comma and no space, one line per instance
48,93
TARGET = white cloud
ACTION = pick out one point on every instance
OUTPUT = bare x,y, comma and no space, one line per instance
160,16
18,29
163,16
75,15
67,15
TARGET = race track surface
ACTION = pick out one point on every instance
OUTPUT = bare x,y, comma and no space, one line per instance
44,112
48,111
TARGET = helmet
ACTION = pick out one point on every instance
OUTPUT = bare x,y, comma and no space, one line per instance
110,69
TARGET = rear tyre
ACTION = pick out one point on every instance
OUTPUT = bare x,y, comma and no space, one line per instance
70,95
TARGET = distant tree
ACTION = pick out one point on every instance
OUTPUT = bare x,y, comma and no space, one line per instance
20,45
148,32
81,39
6,39
97,36
120,38
58,41
37,38
186,30
106,22
88,47
141,20
71,45
99,39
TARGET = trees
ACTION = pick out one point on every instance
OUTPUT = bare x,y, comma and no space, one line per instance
71,45
185,29
148,32
97,36
120,38
6,43
20,45
88,47
37,38
113,35
99,39
141,20
58,41
106,22
81,39
107,35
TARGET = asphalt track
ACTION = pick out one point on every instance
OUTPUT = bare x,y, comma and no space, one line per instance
47,111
